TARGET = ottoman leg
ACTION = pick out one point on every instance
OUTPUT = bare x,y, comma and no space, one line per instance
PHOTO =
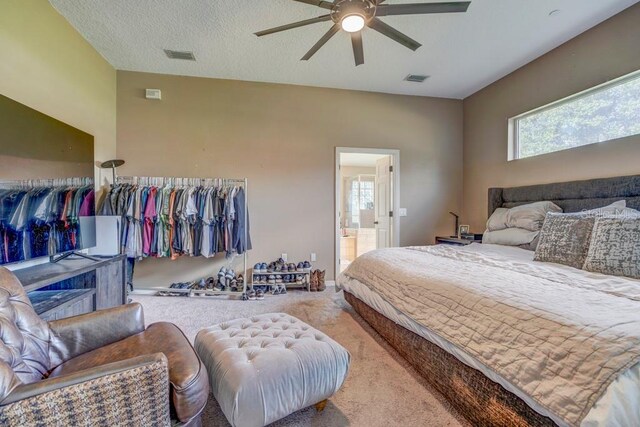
321,405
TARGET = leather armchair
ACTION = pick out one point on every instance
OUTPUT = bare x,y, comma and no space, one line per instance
103,368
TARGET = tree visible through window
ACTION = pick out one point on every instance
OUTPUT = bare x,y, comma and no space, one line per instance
608,112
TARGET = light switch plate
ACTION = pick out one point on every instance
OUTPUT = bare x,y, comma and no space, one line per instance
313,257
285,257
403,211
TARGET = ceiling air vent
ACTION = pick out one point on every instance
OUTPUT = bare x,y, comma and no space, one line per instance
176,54
416,78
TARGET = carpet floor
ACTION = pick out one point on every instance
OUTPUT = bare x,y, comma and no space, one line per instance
381,389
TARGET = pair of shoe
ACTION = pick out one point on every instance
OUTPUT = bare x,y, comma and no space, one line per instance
304,266
199,285
260,267
256,294
317,282
181,285
279,290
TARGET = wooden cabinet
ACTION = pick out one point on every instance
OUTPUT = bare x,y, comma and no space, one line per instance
75,286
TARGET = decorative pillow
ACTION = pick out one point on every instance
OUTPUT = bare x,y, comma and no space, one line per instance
509,237
498,220
564,239
530,216
615,247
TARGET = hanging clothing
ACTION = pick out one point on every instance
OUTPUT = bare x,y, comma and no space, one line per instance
180,221
42,221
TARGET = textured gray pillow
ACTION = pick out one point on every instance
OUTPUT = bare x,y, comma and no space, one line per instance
564,239
615,247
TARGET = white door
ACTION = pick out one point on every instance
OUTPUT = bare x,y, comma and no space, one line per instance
383,202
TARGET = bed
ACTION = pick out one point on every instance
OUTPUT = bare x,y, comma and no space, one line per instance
473,321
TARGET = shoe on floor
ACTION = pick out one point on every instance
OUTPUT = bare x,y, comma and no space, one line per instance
313,283
321,282
260,294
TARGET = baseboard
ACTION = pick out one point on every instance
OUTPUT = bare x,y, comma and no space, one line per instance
143,292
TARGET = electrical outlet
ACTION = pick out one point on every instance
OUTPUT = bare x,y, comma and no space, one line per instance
314,258
403,211
285,257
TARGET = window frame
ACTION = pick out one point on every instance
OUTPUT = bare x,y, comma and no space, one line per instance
513,152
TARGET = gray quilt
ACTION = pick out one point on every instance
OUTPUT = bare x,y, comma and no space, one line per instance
560,335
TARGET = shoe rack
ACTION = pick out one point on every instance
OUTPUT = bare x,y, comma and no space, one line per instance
306,282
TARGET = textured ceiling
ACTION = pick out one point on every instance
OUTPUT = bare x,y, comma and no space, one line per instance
461,52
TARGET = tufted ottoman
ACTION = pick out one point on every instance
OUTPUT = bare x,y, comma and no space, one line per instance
266,367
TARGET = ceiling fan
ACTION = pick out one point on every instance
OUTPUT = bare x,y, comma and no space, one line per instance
353,15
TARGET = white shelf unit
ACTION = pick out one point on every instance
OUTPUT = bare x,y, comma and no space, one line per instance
305,284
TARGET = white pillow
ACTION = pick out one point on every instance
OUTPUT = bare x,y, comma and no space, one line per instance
498,220
530,216
614,208
510,237
627,213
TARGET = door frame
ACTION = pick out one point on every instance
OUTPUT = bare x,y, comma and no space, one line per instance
395,223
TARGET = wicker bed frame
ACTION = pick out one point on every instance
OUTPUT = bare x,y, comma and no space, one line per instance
476,397
480,400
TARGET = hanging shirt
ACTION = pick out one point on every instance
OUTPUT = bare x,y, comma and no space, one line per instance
150,214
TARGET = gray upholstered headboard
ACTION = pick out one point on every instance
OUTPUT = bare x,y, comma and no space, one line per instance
571,196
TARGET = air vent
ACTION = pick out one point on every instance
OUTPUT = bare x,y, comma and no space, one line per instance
416,78
176,54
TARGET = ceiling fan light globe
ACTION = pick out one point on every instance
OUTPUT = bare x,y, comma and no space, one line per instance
352,23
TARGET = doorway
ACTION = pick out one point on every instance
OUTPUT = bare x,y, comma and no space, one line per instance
367,198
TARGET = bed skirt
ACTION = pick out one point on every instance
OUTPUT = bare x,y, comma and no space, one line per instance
480,400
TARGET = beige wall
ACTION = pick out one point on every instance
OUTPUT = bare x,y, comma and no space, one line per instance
283,139
604,52
48,66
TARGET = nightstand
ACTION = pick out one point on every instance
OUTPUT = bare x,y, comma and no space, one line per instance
454,241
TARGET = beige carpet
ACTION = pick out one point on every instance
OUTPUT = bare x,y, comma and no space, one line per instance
381,390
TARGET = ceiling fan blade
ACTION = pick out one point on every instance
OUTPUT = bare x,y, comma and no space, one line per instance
358,49
393,34
322,4
298,24
316,47
422,8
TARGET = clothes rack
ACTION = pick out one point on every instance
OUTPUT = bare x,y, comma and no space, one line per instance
178,182
26,184
43,217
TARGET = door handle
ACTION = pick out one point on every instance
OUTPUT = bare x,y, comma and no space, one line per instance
375,223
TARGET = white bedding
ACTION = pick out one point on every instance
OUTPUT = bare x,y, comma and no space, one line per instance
618,406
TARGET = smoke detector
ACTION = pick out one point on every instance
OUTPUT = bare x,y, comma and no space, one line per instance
153,94
178,54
